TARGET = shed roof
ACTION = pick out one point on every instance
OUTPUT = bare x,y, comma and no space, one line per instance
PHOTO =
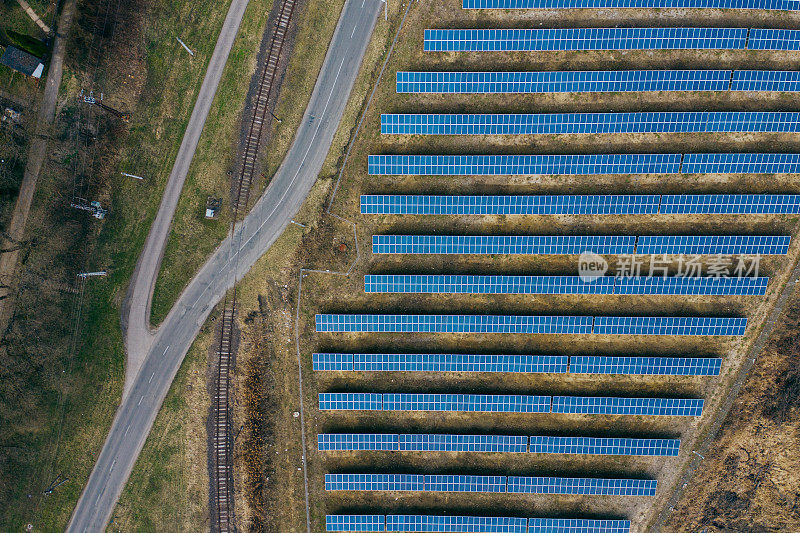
22,61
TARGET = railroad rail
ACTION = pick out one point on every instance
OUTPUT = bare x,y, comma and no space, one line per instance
222,458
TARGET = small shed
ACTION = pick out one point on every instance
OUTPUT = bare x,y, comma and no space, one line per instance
22,61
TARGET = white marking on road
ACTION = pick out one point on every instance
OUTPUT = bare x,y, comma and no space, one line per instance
165,351
151,377
112,465
126,431
140,400
362,3
354,31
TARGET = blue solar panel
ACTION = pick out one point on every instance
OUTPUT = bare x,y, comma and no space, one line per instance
744,163
435,362
470,284
769,39
510,205
590,486
349,522
503,244
327,442
713,244
577,525
471,403
605,446
350,401
454,324
332,361
462,443
730,203
604,405
563,81
496,40
504,165
671,325
592,123
459,483
704,286
455,524
766,80
785,5
383,482
651,366
474,284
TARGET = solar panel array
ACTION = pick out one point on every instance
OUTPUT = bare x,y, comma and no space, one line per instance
496,484
542,324
784,5
606,405
638,285
557,364
564,81
601,204
505,403
741,163
527,40
766,80
771,39
578,244
651,366
495,443
473,524
592,123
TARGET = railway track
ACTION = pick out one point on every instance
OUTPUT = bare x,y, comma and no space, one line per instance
222,440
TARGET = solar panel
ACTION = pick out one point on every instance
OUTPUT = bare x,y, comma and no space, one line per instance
372,482
350,522
475,284
702,286
651,366
562,81
508,40
471,403
766,80
730,204
506,165
605,446
510,205
604,405
472,284
435,362
460,483
744,163
588,486
713,244
785,5
671,325
771,39
577,525
332,361
350,401
592,123
503,244
456,524
454,324
328,442
462,443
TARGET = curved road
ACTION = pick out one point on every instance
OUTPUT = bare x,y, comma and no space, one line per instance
164,350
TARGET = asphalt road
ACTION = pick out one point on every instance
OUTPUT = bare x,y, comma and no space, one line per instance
166,347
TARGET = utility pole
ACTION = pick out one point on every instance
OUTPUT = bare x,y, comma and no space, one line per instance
132,176
124,117
185,47
85,275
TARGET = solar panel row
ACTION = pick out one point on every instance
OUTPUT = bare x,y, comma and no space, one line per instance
496,443
596,81
635,285
783,5
578,244
542,39
472,524
592,123
605,204
558,364
497,484
582,164
503,403
527,324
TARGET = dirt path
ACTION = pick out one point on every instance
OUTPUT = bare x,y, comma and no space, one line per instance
36,154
